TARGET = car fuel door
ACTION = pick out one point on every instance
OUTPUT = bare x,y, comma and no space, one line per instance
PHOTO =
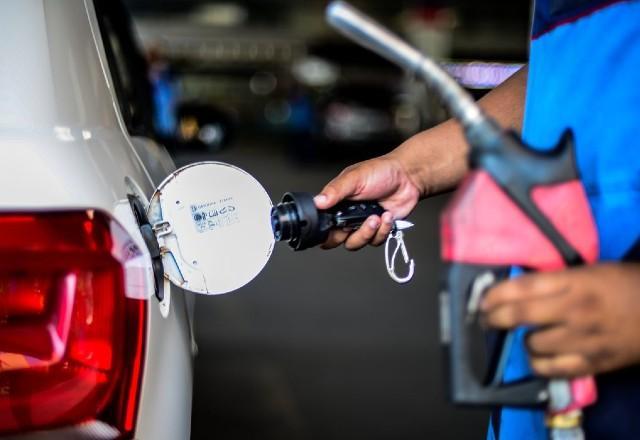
211,225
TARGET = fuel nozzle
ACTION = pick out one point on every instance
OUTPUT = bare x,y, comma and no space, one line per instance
297,221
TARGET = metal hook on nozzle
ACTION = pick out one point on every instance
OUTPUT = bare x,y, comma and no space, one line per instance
390,257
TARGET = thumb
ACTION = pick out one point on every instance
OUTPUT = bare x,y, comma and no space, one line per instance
338,189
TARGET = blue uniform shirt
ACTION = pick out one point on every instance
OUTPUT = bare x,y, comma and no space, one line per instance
584,73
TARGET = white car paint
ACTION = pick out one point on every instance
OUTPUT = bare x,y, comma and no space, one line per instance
63,144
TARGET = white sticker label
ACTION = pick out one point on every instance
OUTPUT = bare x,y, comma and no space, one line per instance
214,215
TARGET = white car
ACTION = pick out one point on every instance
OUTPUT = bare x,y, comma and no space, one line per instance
93,342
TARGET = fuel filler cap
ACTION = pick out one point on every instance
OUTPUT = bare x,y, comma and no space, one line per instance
212,222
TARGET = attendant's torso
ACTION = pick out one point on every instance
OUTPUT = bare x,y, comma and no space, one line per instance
584,74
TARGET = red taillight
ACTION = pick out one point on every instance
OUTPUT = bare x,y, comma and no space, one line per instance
71,341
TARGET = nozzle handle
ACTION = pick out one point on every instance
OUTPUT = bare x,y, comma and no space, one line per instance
297,220
351,214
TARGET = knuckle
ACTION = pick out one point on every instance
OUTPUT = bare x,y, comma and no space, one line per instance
510,289
599,354
585,323
506,316
494,294
528,283
588,301
572,366
540,366
368,233
542,283
349,173
330,188
349,169
590,327
331,184
518,315
576,366
535,343
565,368
556,366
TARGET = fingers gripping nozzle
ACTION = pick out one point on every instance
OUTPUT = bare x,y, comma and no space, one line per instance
297,221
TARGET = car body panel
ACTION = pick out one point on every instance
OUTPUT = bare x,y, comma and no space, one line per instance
58,125
63,145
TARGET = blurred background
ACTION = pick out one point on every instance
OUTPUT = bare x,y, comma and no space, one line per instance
322,345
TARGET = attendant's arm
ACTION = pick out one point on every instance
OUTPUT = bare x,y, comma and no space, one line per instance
436,158
428,163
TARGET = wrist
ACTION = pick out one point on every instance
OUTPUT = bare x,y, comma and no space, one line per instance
436,159
410,166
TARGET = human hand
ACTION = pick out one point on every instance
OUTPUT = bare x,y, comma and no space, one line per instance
587,319
383,179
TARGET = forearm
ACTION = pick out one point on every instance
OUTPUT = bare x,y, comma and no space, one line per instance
436,158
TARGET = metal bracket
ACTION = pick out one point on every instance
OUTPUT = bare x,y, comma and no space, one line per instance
162,228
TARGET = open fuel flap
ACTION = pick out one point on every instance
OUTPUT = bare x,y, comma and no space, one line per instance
211,221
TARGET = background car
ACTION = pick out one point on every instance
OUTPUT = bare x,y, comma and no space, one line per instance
202,126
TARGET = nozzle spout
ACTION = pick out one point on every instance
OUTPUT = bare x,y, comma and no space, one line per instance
367,32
